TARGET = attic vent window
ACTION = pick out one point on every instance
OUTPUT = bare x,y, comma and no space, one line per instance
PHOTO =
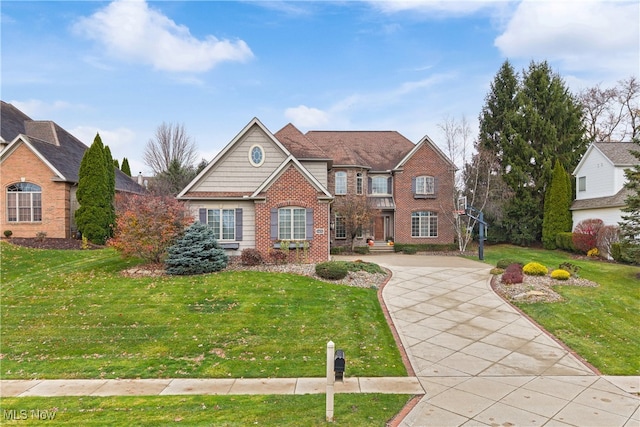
256,155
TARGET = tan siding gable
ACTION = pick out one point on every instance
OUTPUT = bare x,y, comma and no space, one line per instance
318,170
235,173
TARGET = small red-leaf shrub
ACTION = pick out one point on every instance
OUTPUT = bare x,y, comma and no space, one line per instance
585,234
146,226
251,257
277,256
513,274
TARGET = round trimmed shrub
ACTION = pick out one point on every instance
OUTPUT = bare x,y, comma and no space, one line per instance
560,274
250,257
535,269
512,275
331,270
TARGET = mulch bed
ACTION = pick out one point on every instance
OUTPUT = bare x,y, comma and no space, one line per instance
50,243
536,288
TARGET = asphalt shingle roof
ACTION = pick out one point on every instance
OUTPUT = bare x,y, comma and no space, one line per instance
298,144
378,150
619,152
61,149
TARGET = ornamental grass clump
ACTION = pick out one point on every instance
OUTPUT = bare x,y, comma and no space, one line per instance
560,274
512,274
196,252
535,269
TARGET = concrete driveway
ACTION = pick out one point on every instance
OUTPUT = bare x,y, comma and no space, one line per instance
483,363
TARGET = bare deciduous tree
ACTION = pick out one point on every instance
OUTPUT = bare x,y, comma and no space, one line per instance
356,212
612,114
170,146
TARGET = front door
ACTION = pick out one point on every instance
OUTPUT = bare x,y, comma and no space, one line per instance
378,233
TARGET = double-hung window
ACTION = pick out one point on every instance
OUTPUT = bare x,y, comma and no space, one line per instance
380,185
425,185
359,183
292,223
223,223
341,183
24,202
424,224
340,227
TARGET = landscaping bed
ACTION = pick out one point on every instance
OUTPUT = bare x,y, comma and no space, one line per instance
536,288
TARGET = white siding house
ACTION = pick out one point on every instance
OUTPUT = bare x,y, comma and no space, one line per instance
600,180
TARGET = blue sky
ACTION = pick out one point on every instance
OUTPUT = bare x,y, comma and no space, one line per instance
124,67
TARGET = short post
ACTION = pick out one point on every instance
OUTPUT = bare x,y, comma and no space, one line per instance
330,380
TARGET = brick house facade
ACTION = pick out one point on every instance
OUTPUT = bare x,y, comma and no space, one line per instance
260,181
40,163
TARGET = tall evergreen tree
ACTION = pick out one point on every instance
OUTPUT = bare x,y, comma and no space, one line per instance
116,164
537,121
111,187
557,216
93,194
630,225
125,166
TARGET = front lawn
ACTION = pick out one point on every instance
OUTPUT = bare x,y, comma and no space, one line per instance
600,324
71,314
352,410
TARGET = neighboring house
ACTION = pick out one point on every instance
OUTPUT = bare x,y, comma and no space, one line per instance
600,179
39,163
265,188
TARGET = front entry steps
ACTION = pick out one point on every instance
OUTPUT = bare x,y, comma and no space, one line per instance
380,247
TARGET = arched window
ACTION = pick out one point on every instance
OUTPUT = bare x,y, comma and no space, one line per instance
359,183
24,202
424,224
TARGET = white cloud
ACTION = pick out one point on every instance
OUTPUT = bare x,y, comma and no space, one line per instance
307,117
435,7
117,139
131,30
41,110
581,35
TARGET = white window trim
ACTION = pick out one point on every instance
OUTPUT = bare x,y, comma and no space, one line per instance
221,231
425,219
256,165
342,173
292,219
386,185
424,179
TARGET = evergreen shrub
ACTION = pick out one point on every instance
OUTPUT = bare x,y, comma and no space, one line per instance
196,252
535,269
564,241
361,250
331,270
336,250
560,274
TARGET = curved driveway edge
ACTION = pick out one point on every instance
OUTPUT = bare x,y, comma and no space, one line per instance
482,362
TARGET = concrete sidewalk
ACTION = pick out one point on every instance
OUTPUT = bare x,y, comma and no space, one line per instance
230,386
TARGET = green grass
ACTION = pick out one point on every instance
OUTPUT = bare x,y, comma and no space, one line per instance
600,324
283,410
71,314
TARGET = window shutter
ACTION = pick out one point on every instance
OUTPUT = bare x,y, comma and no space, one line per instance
369,184
389,185
239,224
274,224
413,185
203,216
435,186
309,230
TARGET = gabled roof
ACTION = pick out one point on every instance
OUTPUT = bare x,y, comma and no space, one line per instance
12,122
57,148
376,150
425,141
228,147
299,145
276,173
618,153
